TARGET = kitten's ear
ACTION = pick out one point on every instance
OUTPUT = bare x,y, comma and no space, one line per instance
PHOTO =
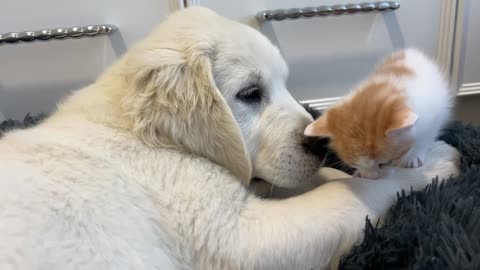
318,128
407,121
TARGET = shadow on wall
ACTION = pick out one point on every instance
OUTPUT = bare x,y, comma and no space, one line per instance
332,81
16,103
39,74
342,33
47,72
323,64
467,109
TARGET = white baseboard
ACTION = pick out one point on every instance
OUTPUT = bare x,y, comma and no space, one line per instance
469,89
322,103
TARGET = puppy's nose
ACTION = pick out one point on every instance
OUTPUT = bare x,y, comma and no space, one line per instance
315,145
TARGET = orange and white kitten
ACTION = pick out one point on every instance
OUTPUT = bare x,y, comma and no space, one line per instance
390,119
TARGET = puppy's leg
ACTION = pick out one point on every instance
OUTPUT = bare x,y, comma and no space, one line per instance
313,230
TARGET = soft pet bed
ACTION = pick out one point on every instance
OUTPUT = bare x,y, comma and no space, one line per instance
437,228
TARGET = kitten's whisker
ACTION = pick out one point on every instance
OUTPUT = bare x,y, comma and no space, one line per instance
338,163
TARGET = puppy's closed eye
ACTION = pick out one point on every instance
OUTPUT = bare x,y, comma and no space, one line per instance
250,94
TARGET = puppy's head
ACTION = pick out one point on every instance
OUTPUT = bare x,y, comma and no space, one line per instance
217,89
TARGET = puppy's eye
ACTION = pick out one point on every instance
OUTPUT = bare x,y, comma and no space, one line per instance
251,94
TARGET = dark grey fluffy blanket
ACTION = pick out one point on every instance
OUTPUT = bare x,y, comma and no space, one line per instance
437,228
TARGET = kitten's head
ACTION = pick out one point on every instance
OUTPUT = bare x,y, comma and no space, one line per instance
369,131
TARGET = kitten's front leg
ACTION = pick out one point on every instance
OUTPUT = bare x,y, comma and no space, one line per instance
415,158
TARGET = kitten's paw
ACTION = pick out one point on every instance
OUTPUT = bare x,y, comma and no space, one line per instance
441,160
414,162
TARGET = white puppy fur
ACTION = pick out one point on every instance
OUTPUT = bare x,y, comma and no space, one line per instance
147,167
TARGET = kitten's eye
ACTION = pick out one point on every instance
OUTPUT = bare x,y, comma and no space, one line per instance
250,94
384,164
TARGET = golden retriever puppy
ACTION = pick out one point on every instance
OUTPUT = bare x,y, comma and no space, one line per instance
149,166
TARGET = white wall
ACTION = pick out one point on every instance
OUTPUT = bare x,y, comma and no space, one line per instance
326,55
34,76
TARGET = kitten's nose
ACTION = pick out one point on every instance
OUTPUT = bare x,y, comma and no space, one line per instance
369,174
376,175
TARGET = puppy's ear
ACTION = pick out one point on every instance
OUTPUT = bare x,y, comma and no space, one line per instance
173,102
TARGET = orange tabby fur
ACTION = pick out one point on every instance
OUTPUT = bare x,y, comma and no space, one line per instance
361,125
